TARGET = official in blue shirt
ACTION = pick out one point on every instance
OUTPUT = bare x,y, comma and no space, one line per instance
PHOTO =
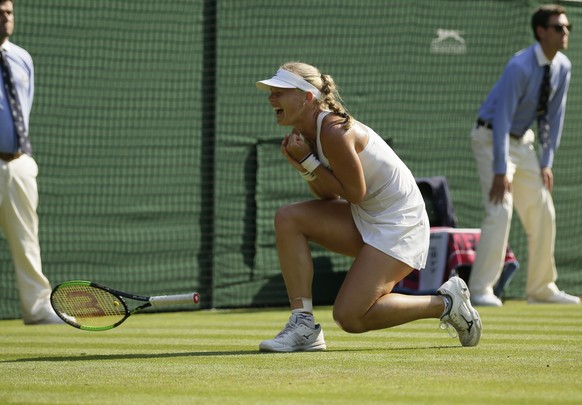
509,170
18,170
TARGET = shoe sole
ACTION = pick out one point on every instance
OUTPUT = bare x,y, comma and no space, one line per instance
486,304
478,325
317,348
536,302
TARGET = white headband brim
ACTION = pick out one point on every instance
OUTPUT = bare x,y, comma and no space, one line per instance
285,79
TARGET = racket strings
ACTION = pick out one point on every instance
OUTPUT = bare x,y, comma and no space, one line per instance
88,306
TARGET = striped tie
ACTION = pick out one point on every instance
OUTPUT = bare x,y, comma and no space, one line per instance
15,106
542,110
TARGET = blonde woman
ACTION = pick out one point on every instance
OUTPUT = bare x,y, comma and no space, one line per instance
368,207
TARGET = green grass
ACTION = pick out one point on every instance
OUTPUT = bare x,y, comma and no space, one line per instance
528,355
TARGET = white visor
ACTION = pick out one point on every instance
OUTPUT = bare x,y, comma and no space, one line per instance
285,79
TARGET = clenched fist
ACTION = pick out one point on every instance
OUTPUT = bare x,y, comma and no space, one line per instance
297,146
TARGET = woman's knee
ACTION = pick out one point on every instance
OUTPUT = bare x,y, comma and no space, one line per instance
348,321
296,216
285,217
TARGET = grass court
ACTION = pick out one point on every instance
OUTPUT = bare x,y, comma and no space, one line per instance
529,354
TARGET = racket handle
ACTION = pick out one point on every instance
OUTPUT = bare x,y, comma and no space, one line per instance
160,300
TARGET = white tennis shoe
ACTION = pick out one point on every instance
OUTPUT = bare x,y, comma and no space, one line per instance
461,315
300,334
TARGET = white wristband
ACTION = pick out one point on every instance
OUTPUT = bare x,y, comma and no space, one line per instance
310,163
308,176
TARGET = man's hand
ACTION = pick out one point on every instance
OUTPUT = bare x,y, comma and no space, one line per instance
548,178
500,186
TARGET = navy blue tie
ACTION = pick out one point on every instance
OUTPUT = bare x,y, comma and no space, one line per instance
15,106
542,110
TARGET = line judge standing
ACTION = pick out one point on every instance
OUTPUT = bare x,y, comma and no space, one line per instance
18,170
533,87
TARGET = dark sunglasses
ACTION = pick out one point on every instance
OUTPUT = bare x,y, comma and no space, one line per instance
559,28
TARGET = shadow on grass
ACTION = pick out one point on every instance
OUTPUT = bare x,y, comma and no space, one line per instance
129,356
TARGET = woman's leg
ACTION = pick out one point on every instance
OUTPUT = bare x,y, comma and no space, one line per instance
328,223
365,301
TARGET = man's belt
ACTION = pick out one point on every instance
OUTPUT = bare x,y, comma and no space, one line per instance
482,123
7,157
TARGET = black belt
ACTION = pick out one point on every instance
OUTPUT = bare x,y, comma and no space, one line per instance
481,123
7,157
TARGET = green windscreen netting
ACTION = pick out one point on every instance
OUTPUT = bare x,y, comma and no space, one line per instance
160,169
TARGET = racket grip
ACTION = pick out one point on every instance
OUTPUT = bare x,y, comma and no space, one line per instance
161,300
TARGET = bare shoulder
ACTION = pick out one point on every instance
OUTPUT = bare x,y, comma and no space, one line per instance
333,133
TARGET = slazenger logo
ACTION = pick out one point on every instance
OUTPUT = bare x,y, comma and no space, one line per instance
448,42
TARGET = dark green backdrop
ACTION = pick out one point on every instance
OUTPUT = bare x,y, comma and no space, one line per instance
159,163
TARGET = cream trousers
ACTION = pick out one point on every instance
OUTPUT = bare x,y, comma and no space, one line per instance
533,203
19,223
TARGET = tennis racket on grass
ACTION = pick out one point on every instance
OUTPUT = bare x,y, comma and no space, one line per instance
91,306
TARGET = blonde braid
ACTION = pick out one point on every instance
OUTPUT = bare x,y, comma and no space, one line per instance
333,100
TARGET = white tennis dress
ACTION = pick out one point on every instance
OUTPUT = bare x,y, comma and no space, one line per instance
392,217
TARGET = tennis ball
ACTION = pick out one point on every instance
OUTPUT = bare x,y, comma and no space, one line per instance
116,303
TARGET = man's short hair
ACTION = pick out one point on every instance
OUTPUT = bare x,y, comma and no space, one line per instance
542,15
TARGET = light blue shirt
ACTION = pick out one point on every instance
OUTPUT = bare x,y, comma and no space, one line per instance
511,105
22,69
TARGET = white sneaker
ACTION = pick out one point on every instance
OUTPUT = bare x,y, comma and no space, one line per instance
559,298
300,334
486,300
461,315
